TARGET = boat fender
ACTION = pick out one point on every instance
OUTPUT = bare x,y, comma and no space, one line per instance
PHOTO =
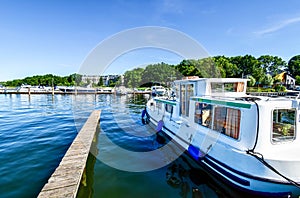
160,125
145,117
143,113
195,152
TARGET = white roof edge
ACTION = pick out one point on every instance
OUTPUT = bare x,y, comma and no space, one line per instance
215,80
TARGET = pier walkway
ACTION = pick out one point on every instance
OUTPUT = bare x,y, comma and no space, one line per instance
65,181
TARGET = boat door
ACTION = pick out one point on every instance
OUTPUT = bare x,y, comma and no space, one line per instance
186,92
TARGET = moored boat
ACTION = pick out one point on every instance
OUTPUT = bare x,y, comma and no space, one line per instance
158,90
65,89
28,88
250,142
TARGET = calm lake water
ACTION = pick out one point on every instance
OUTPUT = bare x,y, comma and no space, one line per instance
37,130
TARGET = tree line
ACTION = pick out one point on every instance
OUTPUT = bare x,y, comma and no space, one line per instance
261,71
45,80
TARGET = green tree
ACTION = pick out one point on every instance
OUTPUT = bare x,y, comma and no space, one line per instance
252,81
297,80
100,83
268,80
294,65
208,68
45,80
133,78
272,64
259,74
188,68
204,67
160,73
245,64
227,68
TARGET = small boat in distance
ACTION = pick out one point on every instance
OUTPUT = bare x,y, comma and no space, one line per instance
28,88
65,89
158,90
249,142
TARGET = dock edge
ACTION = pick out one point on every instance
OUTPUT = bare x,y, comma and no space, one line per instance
65,180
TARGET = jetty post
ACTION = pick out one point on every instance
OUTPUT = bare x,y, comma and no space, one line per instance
52,88
65,180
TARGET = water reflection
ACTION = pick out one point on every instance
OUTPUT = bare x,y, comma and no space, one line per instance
182,178
191,181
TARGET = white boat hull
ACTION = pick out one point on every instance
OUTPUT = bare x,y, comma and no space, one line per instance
233,165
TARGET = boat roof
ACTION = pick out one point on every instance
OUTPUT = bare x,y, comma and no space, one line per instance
228,89
216,86
217,80
247,101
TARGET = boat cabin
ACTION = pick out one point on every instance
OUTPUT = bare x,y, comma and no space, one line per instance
185,89
222,105
219,124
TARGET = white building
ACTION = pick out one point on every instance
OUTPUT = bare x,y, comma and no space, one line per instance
95,79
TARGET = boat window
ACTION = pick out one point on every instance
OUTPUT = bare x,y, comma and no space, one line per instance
182,100
239,86
227,121
189,94
158,106
284,125
177,89
169,108
218,87
186,92
203,114
220,119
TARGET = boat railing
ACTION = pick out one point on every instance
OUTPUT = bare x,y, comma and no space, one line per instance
275,94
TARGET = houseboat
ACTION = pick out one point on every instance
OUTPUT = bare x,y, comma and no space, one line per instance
249,142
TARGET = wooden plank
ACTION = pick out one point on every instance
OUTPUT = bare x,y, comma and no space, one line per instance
65,180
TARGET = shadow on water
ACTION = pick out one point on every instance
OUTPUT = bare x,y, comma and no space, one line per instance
86,185
182,178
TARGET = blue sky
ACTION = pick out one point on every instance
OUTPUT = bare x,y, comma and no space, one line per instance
41,37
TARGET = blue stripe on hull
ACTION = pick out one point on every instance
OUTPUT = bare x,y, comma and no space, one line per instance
241,188
214,168
221,171
226,173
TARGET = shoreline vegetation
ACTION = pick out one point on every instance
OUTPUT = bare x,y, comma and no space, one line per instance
265,74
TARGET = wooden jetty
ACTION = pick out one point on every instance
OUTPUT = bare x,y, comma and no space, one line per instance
65,180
